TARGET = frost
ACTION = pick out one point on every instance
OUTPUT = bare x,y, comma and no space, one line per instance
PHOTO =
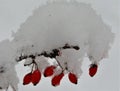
51,27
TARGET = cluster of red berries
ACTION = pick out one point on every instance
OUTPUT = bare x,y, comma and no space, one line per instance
49,71
35,76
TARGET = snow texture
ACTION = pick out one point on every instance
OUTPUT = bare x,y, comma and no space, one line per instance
52,26
8,75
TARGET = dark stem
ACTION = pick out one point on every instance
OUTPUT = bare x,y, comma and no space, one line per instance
59,64
53,54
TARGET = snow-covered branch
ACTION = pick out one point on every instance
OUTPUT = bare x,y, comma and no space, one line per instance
52,54
62,31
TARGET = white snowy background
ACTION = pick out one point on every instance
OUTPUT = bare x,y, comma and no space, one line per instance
14,12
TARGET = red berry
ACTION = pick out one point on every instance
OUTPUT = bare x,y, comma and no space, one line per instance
56,79
73,78
27,78
49,71
36,76
93,70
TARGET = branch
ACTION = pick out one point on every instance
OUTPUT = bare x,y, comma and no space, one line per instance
53,54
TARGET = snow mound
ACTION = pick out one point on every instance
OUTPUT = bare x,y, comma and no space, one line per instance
58,23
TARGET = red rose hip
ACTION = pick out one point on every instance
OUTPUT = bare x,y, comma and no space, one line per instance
49,71
73,78
27,78
93,70
57,79
36,76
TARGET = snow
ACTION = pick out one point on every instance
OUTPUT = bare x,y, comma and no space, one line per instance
8,75
71,59
52,26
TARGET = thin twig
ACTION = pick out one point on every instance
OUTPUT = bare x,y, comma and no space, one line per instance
59,64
